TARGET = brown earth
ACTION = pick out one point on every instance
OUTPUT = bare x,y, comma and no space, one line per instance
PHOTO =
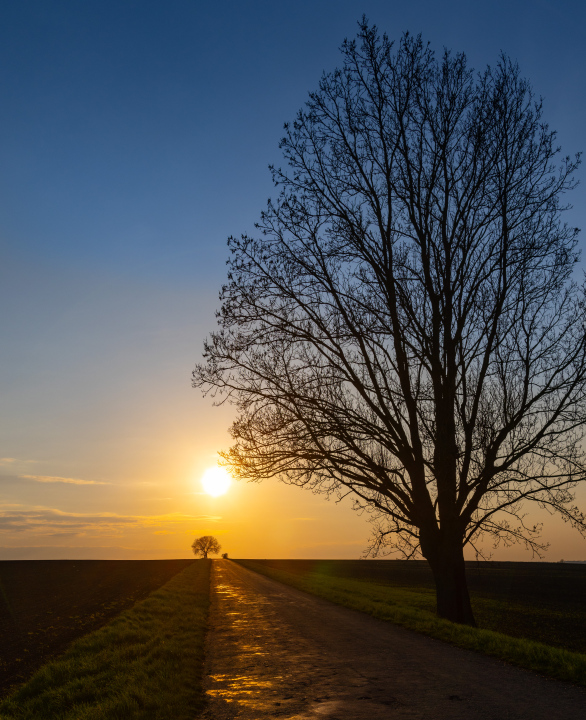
276,652
45,604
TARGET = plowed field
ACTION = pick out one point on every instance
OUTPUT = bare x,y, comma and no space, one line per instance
45,604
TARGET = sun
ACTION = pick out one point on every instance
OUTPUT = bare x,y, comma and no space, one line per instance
216,481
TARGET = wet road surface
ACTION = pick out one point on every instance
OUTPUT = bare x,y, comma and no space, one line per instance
276,652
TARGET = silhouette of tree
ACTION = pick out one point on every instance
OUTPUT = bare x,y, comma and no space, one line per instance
405,328
204,545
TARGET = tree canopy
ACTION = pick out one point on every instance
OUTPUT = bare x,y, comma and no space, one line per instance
405,326
204,545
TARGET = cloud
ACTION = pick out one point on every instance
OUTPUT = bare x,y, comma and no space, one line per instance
9,461
56,479
65,552
47,521
51,521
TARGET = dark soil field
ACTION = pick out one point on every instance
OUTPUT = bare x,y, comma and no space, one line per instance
45,604
539,601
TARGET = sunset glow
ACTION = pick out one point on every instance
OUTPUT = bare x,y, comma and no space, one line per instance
118,197
216,481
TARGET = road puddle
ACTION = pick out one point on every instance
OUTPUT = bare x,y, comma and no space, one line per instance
252,672
238,688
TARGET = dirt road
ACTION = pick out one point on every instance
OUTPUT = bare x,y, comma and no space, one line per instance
276,652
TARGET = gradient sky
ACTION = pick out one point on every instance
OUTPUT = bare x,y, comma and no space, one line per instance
134,139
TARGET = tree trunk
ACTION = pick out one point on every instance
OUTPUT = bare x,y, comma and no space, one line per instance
449,572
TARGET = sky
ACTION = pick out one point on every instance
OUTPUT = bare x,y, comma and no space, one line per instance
135,138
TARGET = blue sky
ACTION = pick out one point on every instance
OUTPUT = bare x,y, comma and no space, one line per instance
135,138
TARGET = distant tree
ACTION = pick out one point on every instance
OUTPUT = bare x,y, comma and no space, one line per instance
405,328
224,556
204,545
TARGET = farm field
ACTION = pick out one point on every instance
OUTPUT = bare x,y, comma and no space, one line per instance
544,602
146,663
45,604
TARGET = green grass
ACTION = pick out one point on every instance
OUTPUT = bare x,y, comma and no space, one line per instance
147,663
414,608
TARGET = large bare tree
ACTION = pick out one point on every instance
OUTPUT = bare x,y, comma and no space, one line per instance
406,326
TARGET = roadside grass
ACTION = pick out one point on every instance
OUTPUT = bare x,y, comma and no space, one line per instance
147,663
414,609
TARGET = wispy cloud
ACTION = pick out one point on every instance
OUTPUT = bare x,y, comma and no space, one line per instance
20,461
50,521
56,479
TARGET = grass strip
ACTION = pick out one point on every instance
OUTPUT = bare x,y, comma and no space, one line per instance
415,610
147,663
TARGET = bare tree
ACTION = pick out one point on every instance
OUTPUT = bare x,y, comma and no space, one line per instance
204,545
405,327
